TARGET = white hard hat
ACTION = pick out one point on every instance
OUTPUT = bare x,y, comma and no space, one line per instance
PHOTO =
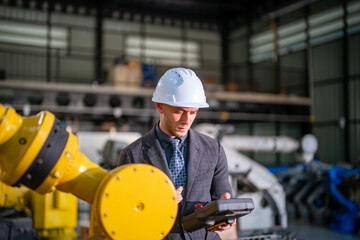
180,87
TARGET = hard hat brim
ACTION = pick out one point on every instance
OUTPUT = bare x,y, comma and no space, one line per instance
188,105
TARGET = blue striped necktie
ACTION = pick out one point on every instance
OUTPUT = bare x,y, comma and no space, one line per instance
177,165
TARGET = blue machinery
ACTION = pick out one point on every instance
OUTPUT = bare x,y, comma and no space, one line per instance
322,194
345,219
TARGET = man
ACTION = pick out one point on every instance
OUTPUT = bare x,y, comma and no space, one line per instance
196,163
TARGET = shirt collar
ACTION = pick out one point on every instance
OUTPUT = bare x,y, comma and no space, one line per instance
165,139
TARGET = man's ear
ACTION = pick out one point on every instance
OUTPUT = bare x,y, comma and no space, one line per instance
160,107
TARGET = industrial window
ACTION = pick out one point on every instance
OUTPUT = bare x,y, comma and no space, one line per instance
162,51
323,27
326,26
261,46
353,19
35,35
291,37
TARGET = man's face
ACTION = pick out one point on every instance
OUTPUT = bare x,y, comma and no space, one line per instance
176,121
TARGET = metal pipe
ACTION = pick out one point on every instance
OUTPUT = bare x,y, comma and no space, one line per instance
99,44
345,84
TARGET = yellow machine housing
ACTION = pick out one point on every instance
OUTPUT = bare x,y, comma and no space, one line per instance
36,152
54,215
12,197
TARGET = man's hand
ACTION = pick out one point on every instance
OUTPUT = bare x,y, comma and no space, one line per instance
225,196
179,197
227,226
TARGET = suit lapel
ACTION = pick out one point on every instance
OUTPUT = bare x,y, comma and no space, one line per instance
193,160
154,154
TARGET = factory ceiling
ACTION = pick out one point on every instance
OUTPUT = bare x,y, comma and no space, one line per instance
209,11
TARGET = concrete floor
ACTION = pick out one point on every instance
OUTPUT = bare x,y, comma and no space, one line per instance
307,231
297,229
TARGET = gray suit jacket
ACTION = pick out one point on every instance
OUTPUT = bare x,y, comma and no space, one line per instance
206,166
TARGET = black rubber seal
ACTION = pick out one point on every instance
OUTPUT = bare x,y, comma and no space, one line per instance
47,158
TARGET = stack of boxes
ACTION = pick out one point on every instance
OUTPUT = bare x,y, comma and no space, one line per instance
132,74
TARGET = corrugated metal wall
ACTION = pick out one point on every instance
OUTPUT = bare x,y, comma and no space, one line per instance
354,98
328,100
307,59
71,50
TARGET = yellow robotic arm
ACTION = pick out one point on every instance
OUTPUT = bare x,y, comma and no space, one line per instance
36,152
